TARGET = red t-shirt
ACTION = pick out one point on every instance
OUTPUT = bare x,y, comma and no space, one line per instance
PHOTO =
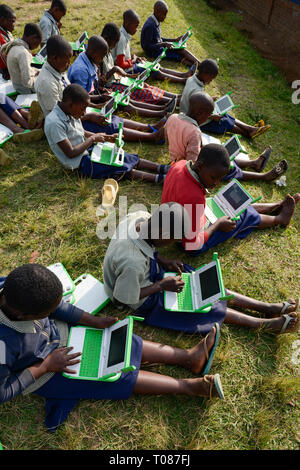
3,40
182,187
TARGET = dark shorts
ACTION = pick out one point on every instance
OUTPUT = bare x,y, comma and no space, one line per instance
109,129
225,124
89,169
8,105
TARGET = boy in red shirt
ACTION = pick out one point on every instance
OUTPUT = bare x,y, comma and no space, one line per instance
7,24
186,183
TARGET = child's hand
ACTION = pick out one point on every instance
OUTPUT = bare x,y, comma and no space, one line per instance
99,137
59,24
169,45
171,284
215,98
215,117
174,265
225,224
60,360
98,119
103,322
134,58
111,138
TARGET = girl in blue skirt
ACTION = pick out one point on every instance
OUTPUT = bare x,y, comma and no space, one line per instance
34,323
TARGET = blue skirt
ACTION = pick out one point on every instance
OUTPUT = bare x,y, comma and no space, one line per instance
62,393
225,124
89,169
249,221
235,172
109,129
8,105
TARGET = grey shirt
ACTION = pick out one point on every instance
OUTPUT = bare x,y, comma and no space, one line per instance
58,127
49,87
48,26
127,262
193,85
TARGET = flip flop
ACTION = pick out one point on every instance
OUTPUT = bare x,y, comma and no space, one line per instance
210,356
109,192
288,319
36,115
154,130
266,154
4,158
281,168
288,304
261,130
217,383
260,123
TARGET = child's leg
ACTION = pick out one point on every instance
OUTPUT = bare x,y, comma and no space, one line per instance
287,209
278,170
273,325
188,57
138,111
142,127
131,135
20,118
149,383
244,129
8,122
143,105
271,310
193,359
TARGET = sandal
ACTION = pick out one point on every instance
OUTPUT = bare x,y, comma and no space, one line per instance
29,136
260,123
109,192
281,167
4,158
210,356
214,380
288,304
288,319
266,154
261,130
36,115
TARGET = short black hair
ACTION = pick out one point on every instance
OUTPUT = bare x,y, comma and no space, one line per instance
32,289
208,66
97,43
57,45
111,31
214,155
6,11
60,4
75,93
33,29
130,15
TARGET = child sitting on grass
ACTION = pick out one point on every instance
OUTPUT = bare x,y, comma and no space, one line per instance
207,71
7,25
34,328
84,71
72,145
133,255
182,131
52,81
18,58
187,184
119,43
152,42
51,20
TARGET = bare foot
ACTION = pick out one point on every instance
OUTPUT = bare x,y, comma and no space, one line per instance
275,324
198,355
287,211
33,257
296,198
278,170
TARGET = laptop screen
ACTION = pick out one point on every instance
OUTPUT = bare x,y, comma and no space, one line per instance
184,37
43,52
224,103
109,106
209,282
232,146
235,196
82,38
143,75
117,346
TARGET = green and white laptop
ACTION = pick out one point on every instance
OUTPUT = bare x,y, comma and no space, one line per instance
182,43
109,153
224,104
60,271
5,134
105,353
153,66
89,294
25,100
202,288
78,45
232,200
41,57
6,87
234,147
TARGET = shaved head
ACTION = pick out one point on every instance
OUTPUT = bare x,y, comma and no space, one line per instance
160,5
201,102
97,44
131,16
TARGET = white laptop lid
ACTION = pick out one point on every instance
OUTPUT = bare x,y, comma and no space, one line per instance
89,293
5,132
81,40
232,146
42,54
108,107
26,100
223,104
7,87
233,198
64,277
207,285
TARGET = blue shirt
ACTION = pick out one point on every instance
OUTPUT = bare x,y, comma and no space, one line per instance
151,36
32,342
83,72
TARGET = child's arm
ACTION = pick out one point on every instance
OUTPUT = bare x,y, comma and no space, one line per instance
170,265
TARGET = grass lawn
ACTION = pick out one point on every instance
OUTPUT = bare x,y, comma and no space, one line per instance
43,207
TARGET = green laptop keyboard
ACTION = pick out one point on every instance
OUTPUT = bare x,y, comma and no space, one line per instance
184,298
215,208
90,357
